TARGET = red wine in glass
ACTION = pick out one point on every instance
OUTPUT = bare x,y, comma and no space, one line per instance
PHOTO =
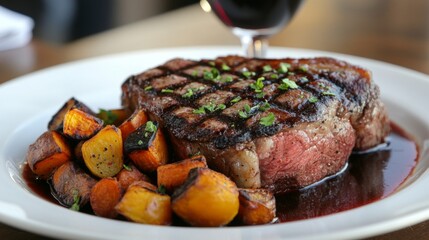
254,21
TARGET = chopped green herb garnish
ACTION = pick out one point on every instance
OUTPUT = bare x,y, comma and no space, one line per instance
189,93
200,110
247,108
313,99
283,67
221,107
149,128
243,114
264,106
211,63
268,120
166,90
148,88
286,84
194,73
140,142
211,107
260,95
248,74
258,85
108,116
236,99
328,93
212,75
76,200
225,67
128,168
267,68
162,189
274,76
303,67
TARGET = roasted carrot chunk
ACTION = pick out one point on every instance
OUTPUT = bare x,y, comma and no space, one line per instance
147,147
71,186
130,174
47,153
257,206
105,194
206,199
143,205
173,175
56,122
114,116
103,153
138,118
81,125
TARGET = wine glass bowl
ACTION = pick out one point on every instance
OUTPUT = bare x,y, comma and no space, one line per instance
254,21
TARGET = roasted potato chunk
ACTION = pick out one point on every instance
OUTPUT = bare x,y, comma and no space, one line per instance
130,174
71,186
206,199
143,205
147,147
56,123
173,175
80,125
257,206
105,194
48,153
103,154
113,116
138,118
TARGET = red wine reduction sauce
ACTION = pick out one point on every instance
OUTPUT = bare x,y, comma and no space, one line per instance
368,177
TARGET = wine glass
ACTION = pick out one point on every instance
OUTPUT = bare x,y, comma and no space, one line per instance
253,21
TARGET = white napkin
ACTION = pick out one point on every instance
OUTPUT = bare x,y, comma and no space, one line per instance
15,29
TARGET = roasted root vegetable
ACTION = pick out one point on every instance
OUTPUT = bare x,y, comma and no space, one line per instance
47,153
173,175
130,174
71,186
257,206
103,153
113,116
206,199
147,147
138,118
56,122
81,125
143,205
105,194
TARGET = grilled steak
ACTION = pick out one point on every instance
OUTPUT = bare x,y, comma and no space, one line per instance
275,123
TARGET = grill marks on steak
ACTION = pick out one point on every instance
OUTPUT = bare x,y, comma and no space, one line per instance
334,109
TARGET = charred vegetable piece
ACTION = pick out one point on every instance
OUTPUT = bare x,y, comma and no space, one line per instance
71,186
143,205
103,154
77,150
257,206
113,116
47,153
147,147
138,118
130,174
81,125
173,175
56,122
206,199
105,194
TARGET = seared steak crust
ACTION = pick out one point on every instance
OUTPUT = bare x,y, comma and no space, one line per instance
224,108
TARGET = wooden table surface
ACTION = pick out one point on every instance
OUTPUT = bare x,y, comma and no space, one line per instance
393,31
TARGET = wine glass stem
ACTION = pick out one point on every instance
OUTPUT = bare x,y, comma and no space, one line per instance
254,46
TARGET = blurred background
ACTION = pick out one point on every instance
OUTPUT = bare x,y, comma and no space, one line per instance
62,21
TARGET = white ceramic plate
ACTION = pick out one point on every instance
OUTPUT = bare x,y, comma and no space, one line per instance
27,103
